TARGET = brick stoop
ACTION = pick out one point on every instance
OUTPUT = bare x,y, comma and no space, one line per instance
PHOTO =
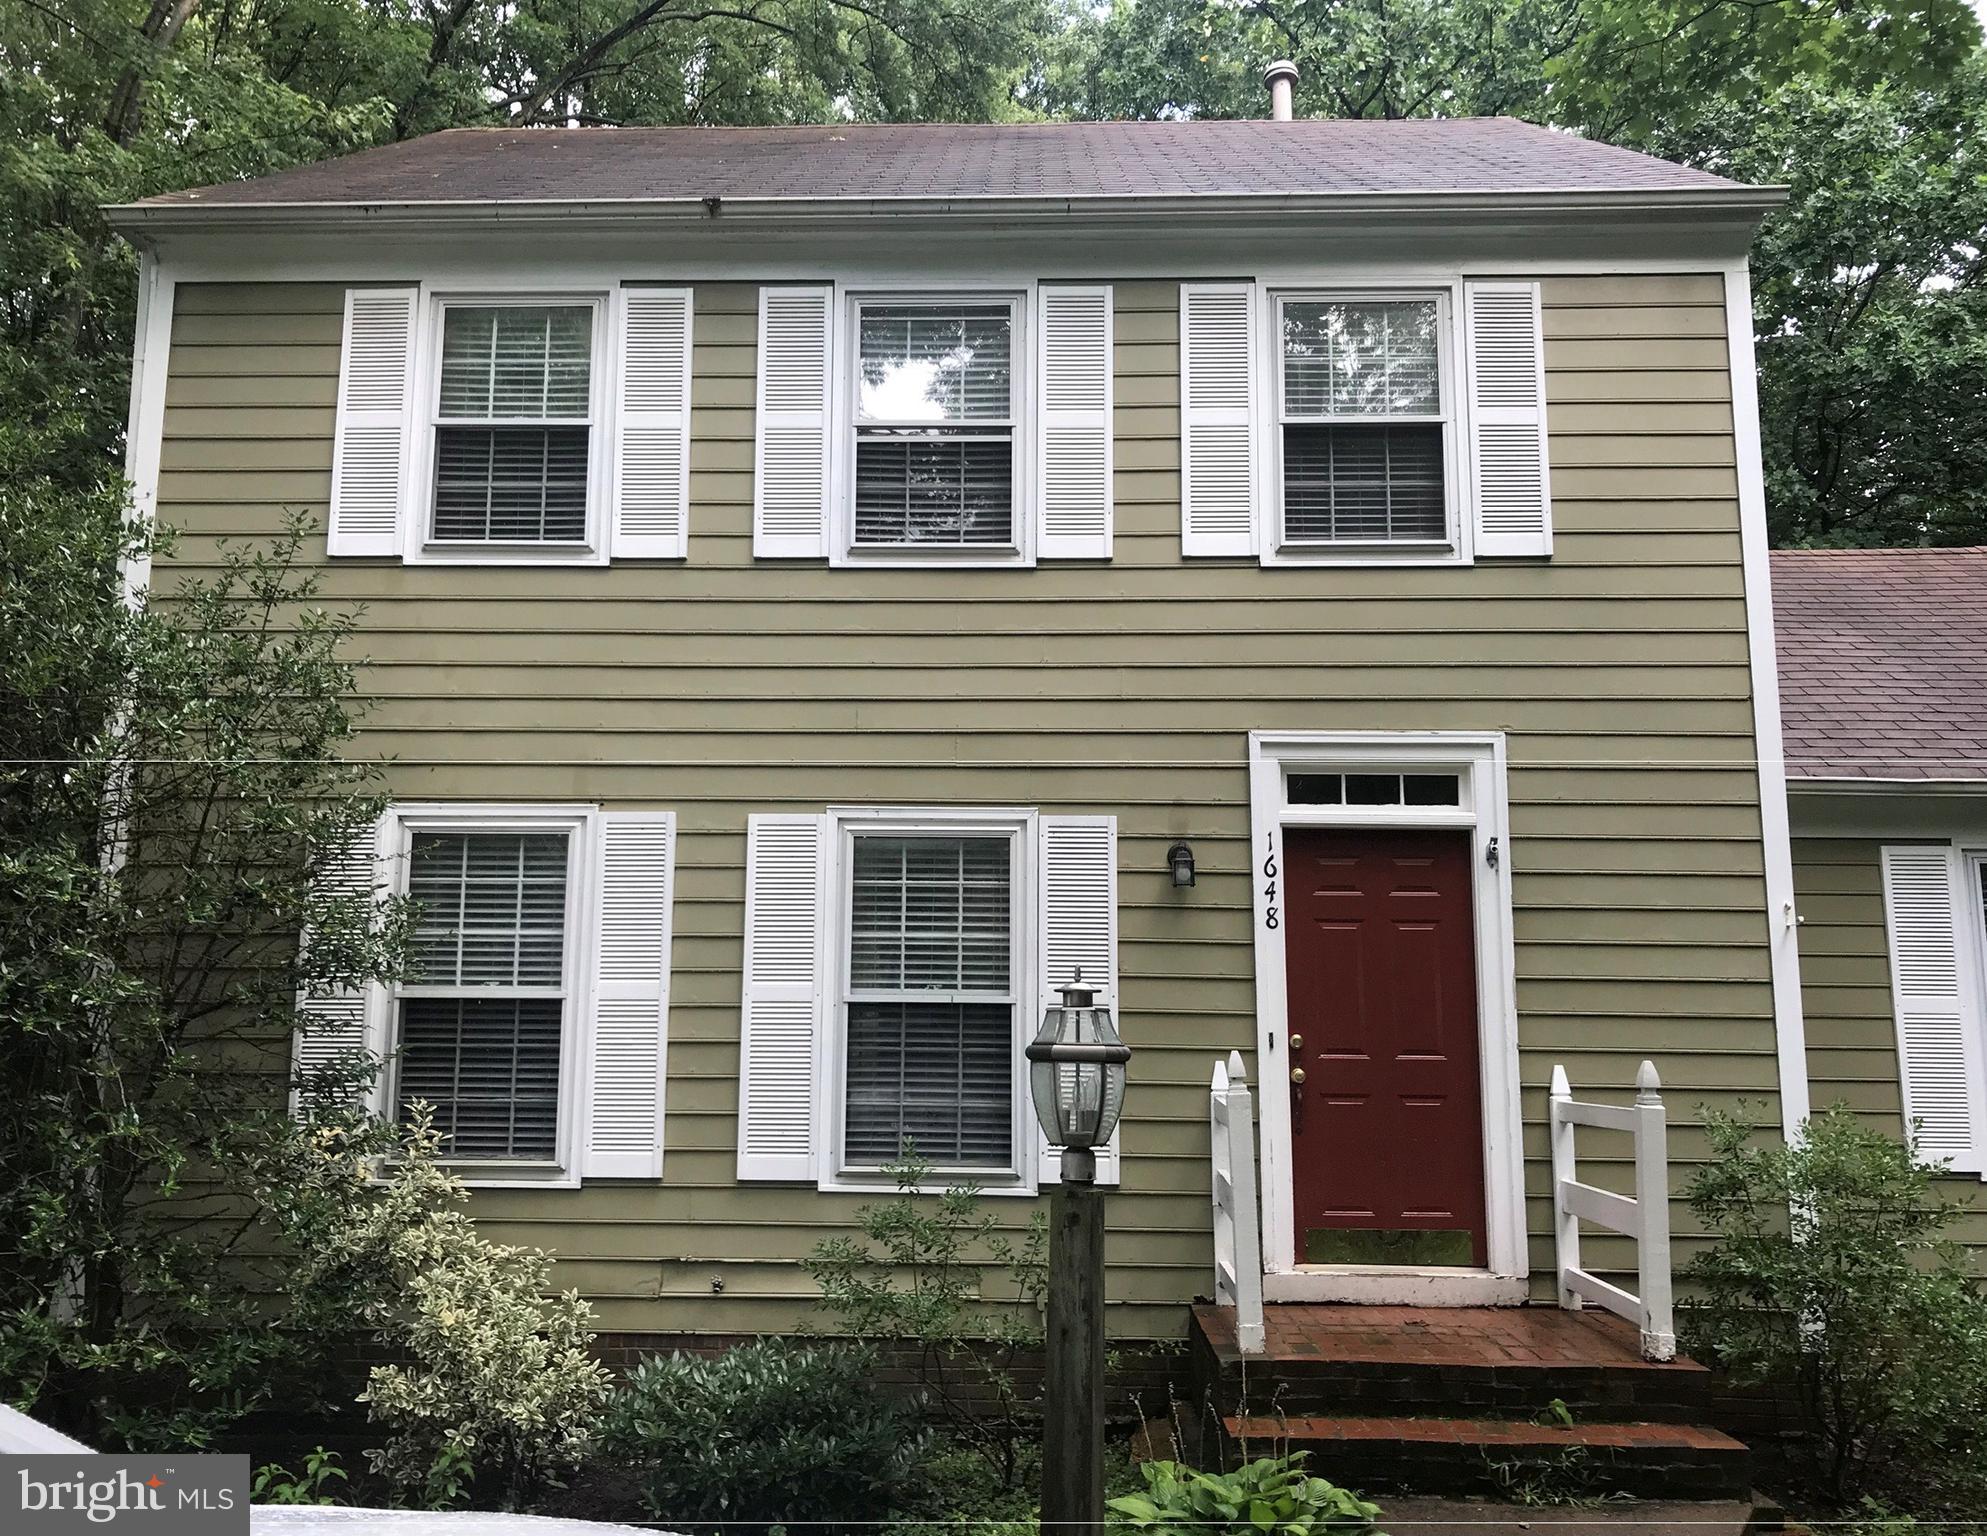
1380,1455
1437,1399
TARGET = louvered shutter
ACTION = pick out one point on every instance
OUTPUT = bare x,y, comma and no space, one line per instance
1074,363
1510,489
1217,406
652,434
630,1015
1932,973
334,1026
790,456
785,903
375,421
1078,860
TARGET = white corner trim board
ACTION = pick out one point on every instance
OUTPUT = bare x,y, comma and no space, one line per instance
1776,839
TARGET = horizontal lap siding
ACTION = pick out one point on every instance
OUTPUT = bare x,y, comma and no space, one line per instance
719,688
1845,995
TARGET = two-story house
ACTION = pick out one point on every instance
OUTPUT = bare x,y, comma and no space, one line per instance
824,585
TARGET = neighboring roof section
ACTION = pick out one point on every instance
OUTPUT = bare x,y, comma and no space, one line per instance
1883,669
965,161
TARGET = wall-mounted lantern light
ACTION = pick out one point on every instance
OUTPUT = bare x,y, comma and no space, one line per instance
1180,859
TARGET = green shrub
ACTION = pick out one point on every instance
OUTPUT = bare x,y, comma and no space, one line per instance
1270,1497
275,1484
766,1433
916,1279
1857,1307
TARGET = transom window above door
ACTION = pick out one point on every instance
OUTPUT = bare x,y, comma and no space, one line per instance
929,1042
934,425
514,424
1364,421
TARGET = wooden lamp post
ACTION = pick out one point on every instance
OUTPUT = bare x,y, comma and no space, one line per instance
1077,1076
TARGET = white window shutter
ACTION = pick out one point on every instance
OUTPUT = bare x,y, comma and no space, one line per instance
1217,410
630,1014
1932,990
1078,859
1074,363
1511,490
375,420
785,904
790,456
652,431
332,1027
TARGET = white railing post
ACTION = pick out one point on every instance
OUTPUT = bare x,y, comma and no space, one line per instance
1652,1204
1645,1218
1248,1235
1565,1225
1238,1258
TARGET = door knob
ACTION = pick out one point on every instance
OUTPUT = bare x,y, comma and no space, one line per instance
1297,1076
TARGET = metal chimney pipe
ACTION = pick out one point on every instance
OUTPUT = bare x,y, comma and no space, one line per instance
1280,77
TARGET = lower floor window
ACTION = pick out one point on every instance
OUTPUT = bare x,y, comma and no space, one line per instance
929,1010
480,1019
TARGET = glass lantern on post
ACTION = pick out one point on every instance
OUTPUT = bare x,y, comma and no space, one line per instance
1076,1073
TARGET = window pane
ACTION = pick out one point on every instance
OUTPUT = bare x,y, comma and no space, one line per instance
935,362
930,914
516,485
940,1074
935,490
1431,789
1364,483
516,360
490,1067
1361,359
492,908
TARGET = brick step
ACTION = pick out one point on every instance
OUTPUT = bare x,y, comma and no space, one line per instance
1469,1363
1491,1455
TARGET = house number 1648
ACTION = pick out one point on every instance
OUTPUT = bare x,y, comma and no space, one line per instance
1269,891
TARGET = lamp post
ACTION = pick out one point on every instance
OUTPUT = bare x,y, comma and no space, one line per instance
1077,1076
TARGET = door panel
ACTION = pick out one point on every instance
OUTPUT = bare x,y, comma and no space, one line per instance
1387,1123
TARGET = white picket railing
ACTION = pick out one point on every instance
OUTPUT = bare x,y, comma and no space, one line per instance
1645,1218
1238,1247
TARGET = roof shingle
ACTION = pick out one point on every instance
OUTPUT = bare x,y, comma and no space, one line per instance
1882,671
963,161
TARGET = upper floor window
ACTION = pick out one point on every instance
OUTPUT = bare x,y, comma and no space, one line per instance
934,425
1364,421
514,424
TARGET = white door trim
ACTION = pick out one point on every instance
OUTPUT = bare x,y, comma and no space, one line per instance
1479,758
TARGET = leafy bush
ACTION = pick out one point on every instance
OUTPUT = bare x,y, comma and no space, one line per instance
764,1433
913,1279
1272,1496
1856,1304
493,1391
275,1484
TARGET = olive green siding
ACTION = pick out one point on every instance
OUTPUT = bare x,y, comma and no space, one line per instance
1845,994
719,688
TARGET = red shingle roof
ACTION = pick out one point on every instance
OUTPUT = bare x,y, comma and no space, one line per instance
1883,669
965,160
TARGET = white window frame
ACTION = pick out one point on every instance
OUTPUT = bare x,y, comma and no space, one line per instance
1455,547
848,303
418,545
848,823
581,824
1972,952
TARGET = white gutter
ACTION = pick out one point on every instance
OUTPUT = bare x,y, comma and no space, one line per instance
1737,204
1883,787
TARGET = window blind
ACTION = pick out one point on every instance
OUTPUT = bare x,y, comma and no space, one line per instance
1360,359
482,1012
931,923
923,490
935,362
1362,483
512,433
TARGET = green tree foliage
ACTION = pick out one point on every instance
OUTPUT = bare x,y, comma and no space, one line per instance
1859,1304
171,796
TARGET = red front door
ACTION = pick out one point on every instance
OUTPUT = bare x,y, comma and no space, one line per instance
1386,1117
